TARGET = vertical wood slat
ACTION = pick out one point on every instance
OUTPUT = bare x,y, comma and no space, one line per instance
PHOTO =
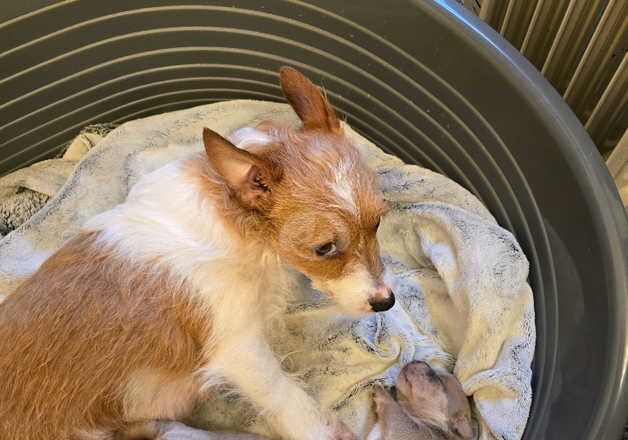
517,20
597,65
570,42
544,24
493,11
619,157
510,5
580,47
608,118
617,164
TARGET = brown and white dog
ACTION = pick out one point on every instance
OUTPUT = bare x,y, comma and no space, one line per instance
423,405
171,291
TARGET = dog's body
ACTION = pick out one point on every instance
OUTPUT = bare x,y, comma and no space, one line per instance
172,291
426,405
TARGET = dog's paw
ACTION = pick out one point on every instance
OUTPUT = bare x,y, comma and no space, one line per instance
340,431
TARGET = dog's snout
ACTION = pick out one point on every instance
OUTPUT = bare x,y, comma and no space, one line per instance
382,302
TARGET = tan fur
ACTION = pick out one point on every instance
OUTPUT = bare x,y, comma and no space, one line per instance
74,333
312,107
394,423
299,209
429,405
315,150
305,157
296,166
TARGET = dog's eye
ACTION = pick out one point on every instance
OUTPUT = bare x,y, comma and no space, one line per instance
326,250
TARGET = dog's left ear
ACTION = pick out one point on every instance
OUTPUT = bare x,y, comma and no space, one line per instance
249,177
307,101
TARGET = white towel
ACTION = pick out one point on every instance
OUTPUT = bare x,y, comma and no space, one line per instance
460,279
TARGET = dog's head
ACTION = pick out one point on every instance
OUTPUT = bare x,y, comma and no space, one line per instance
319,203
434,397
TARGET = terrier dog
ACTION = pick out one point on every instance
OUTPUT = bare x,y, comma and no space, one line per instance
423,405
172,290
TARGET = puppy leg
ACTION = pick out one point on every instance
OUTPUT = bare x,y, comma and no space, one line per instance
382,401
250,364
371,423
393,422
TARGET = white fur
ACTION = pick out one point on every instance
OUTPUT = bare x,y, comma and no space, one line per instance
154,395
166,221
246,136
343,187
376,433
352,290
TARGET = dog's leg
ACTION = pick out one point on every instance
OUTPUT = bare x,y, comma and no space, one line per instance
138,431
250,364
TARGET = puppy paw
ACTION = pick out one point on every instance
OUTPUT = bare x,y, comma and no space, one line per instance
340,431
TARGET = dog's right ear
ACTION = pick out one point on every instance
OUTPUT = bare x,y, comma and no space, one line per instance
315,112
250,178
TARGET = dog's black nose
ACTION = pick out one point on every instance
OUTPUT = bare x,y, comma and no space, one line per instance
381,305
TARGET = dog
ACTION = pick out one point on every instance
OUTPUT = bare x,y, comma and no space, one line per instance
424,404
172,291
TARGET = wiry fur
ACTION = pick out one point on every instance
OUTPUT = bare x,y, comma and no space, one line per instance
172,291
70,340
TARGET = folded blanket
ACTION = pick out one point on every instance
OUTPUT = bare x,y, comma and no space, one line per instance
25,191
460,279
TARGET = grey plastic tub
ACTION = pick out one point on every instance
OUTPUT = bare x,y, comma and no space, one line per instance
426,81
